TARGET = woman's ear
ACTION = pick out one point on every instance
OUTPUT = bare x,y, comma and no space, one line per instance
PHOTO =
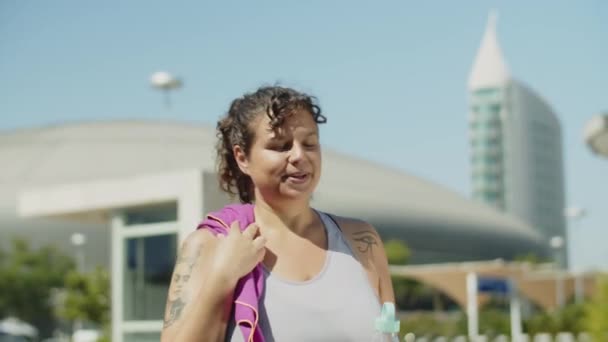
241,159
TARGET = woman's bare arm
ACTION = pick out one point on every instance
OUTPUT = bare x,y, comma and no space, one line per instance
198,302
385,286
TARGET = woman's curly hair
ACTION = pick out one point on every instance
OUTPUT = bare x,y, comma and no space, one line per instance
235,129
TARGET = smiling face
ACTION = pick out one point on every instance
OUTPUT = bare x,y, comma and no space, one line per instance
283,163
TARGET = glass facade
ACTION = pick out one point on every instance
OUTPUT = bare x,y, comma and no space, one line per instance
516,155
486,146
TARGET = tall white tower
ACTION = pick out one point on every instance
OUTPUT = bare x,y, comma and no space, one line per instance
516,143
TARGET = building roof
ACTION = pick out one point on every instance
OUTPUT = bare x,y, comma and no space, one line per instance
77,152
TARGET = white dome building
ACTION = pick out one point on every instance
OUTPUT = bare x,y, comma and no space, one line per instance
438,224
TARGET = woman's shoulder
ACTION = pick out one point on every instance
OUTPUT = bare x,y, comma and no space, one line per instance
367,247
362,237
354,226
197,238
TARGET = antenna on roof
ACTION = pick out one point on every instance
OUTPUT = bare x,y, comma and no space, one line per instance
166,83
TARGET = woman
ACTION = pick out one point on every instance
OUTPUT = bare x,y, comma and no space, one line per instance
274,268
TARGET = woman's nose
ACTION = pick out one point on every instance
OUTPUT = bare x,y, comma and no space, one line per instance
296,152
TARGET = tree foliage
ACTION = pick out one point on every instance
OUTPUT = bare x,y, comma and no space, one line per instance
597,310
531,258
39,286
430,324
397,252
87,297
27,280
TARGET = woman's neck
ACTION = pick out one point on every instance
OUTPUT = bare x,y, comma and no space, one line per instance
295,218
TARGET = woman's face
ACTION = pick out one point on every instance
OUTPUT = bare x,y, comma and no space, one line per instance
284,163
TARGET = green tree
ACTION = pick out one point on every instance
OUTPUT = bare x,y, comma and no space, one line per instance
27,279
87,297
397,252
541,322
597,310
531,258
571,317
493,320
430,324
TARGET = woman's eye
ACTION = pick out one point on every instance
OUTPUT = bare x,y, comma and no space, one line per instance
310,144
288,145
281,147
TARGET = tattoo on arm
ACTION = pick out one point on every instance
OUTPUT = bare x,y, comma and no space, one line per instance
178,297
174,311
366,240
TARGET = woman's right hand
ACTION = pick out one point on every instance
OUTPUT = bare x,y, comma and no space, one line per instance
206,272
237,253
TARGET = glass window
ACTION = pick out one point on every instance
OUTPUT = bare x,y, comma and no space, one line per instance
491,178
490,159
147,273
166,212
493,142
493,195
483,92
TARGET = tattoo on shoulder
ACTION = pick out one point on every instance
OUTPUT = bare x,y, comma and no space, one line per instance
366,240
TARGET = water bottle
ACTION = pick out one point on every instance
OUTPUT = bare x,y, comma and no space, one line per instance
387,326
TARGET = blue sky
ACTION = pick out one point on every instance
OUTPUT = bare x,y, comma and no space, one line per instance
390,75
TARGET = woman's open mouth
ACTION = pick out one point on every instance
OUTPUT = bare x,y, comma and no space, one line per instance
297,177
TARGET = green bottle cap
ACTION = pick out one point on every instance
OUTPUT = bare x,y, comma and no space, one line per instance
387,323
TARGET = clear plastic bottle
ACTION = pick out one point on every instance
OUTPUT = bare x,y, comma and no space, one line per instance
387,326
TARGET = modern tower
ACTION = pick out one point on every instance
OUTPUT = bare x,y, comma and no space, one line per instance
516,143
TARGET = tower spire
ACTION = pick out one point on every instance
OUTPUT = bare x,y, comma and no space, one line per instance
489,68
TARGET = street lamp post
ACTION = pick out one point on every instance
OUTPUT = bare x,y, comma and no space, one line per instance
556,243
78,240
573,215
166,83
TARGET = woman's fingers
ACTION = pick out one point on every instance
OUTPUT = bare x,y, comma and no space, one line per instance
259,242
260,255
235,228
250,231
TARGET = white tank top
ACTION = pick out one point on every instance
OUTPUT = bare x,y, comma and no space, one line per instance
338,304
